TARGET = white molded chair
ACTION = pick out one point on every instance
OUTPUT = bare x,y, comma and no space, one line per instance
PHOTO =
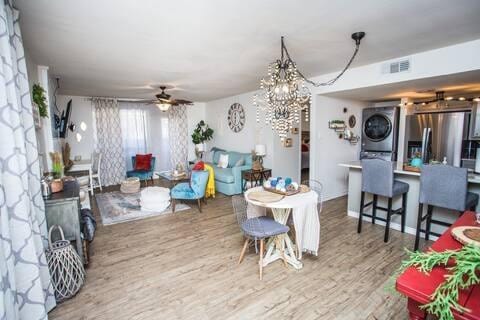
317,187
93,180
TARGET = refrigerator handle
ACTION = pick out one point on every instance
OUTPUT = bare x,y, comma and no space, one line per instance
425,144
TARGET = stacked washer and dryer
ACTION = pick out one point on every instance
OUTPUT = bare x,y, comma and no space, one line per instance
380,133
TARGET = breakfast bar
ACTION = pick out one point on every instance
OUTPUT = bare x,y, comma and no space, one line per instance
413,179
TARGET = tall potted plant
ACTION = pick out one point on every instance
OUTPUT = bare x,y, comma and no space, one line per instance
201,134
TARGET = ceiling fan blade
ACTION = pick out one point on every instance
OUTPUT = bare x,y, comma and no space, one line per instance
182,101
165,100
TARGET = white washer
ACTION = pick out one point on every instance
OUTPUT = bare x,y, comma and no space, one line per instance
380,133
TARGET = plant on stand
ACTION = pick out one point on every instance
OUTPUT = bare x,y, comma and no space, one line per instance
201,134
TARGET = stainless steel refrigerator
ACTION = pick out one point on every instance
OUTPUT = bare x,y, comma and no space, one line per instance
436,136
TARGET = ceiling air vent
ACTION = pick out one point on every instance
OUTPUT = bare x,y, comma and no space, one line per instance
396,67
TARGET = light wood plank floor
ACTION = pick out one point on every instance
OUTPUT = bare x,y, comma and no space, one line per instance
184,266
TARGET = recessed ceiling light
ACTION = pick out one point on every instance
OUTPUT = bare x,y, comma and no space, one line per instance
461,98
79,137
449,98
83,126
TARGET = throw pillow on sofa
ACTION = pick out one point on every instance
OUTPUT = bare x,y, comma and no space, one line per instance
142,161
199,166
223,161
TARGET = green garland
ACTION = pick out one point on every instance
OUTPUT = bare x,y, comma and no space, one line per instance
461,276
38,96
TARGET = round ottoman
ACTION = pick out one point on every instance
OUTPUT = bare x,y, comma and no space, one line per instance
155,199
131,185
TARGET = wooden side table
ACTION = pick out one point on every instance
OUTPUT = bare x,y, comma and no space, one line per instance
255,177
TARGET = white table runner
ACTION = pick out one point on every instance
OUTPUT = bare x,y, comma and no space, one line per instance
305,217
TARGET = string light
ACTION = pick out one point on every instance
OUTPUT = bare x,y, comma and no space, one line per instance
439,98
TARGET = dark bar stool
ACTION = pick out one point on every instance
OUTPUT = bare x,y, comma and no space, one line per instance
377,179
445,187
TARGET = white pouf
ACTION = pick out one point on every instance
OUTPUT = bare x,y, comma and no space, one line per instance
155,199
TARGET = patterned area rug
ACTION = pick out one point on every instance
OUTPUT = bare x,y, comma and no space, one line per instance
116,207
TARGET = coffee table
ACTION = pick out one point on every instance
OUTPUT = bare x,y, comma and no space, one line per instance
173,180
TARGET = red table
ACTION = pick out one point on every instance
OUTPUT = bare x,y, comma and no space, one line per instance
418,287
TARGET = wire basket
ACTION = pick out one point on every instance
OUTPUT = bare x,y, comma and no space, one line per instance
66,268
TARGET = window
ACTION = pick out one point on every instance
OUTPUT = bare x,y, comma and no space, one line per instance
133,123
145,130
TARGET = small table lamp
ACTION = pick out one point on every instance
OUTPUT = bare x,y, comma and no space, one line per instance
260,152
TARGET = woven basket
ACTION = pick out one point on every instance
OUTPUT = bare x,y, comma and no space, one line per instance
66,268
131,185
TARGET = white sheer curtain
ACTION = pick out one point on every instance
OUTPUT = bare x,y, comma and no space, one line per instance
159,124
145,129
133,121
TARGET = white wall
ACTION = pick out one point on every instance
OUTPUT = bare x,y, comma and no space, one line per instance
81,112
327,150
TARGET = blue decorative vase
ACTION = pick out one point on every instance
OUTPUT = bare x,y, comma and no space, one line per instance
416,162
288,181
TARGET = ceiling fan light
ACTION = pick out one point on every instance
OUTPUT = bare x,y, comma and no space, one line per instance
163,106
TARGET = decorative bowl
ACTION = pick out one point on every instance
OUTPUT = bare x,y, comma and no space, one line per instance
416,162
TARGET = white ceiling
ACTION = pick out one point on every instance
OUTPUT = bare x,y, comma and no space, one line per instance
217,48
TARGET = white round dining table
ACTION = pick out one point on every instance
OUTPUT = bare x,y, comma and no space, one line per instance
281,246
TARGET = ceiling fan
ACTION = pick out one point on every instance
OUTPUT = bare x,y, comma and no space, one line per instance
164,100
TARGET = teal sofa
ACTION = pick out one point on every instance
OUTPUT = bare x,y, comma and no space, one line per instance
229,180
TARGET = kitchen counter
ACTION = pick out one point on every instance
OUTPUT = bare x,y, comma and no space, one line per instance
413,179
357,164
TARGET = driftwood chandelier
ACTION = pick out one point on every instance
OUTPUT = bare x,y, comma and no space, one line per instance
285,93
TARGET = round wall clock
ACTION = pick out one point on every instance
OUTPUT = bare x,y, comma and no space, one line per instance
236,117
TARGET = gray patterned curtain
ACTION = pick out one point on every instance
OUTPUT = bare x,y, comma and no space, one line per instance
178,135
25,288
109,141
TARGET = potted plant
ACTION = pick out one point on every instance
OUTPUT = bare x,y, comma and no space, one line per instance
57,171
201,134
39,99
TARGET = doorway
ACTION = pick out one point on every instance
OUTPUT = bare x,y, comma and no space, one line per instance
305,145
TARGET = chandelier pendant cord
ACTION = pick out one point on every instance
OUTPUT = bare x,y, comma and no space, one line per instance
286,96
331,81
